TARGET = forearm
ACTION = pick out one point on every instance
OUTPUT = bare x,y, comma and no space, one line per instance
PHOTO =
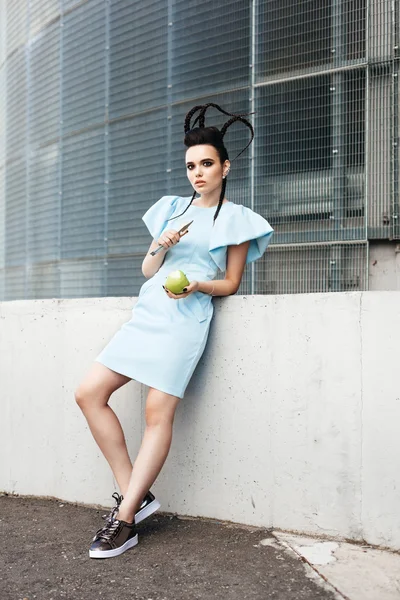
218,287
151,264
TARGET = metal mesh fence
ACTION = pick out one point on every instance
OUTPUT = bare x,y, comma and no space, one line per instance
92,99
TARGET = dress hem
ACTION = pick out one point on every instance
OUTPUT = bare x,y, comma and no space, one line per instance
141,380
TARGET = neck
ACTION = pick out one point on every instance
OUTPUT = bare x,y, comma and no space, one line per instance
209,199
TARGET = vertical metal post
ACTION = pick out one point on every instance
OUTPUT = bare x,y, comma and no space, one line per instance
168,166
60,153
28,268
252,109
338,143
395,121
106,291
367,145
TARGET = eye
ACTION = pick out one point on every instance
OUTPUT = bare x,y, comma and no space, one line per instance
208,162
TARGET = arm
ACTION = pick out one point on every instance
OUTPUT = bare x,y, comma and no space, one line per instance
235,263
151,264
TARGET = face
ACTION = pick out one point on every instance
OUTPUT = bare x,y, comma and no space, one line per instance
204,165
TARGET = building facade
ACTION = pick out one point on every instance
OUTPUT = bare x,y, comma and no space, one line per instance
92,100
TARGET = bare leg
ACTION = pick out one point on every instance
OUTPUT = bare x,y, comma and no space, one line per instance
92,397
160,412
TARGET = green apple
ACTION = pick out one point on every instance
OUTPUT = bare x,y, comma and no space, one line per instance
176,281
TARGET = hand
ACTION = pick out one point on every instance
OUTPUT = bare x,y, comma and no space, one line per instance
170,238
192,287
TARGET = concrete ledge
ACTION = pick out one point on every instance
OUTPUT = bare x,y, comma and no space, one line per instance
291,420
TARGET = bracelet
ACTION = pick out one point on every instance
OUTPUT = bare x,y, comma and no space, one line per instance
211,293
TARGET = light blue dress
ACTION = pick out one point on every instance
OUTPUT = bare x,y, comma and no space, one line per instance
162,343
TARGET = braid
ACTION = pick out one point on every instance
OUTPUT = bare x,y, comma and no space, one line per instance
193,197
246,122
201,116
222,195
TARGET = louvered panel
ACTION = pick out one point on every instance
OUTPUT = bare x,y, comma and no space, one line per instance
3,36
44,205
138,56
44,281
16,12
70,4
14,284
210,47
45,77
16,129
124,276
381,20
236,138
137,154
15,221
83,66
3,113
2,217
82,216
41,13
380,167
82,278
2,285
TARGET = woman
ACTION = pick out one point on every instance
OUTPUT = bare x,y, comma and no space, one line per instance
162,343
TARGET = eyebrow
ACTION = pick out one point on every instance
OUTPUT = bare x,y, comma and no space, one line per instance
202,160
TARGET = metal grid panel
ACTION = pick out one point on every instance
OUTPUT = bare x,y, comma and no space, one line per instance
83,66
41,13
326,160
137,177
309,168
15,215
138,56
312,268
44,205
44,99
299,37
16,125
83,197
210,47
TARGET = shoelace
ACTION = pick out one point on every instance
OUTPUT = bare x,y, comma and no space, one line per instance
107,532
111,515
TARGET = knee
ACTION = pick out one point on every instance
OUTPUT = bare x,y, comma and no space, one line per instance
83,397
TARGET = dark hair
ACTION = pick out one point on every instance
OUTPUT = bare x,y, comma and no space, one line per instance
214,137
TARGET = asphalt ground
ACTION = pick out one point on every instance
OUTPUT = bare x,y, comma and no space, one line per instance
44,554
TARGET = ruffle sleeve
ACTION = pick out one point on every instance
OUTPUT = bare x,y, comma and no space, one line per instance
156,217
241,225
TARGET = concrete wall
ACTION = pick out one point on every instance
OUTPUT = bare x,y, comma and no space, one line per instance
291,420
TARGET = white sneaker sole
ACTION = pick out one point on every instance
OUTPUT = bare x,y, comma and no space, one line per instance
117,551
147,511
